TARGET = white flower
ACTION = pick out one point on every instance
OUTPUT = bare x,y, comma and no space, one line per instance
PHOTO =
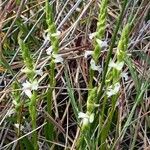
113,90
102,44
125,76
56,34
49,50
86,118
87,53
37,72
57,58
117,65
91,118
46,36
94,66
92,35
82,115
28,87
17,126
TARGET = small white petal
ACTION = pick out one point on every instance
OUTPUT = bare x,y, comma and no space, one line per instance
109,93
117,87
17,126
118,65
102,44
14,102
34,85
86,118
95,67
46,36
58,58
85,121
88,53
92,35
26,85
91,118
125,76
113,90
56,34
39,72
49,50
28,92
82,115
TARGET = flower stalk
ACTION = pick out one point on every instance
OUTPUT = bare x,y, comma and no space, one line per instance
98,37
52,51
29,87
91,101
113,77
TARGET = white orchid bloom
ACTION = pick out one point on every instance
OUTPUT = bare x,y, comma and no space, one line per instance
113,90
58,33
102,44
92,35
39,72
49,51
17,126
94,66
46,36
86,118
125,76
58,58
88,53
118,65
28,87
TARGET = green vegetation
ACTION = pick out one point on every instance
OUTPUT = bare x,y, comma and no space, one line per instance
74,75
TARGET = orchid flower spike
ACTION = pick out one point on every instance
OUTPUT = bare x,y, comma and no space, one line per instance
29,87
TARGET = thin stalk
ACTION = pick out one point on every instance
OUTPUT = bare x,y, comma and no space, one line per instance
53,37
100,31
115,73
33,114
31,74
120,18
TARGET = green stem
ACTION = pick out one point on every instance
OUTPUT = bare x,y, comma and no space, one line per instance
32,110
